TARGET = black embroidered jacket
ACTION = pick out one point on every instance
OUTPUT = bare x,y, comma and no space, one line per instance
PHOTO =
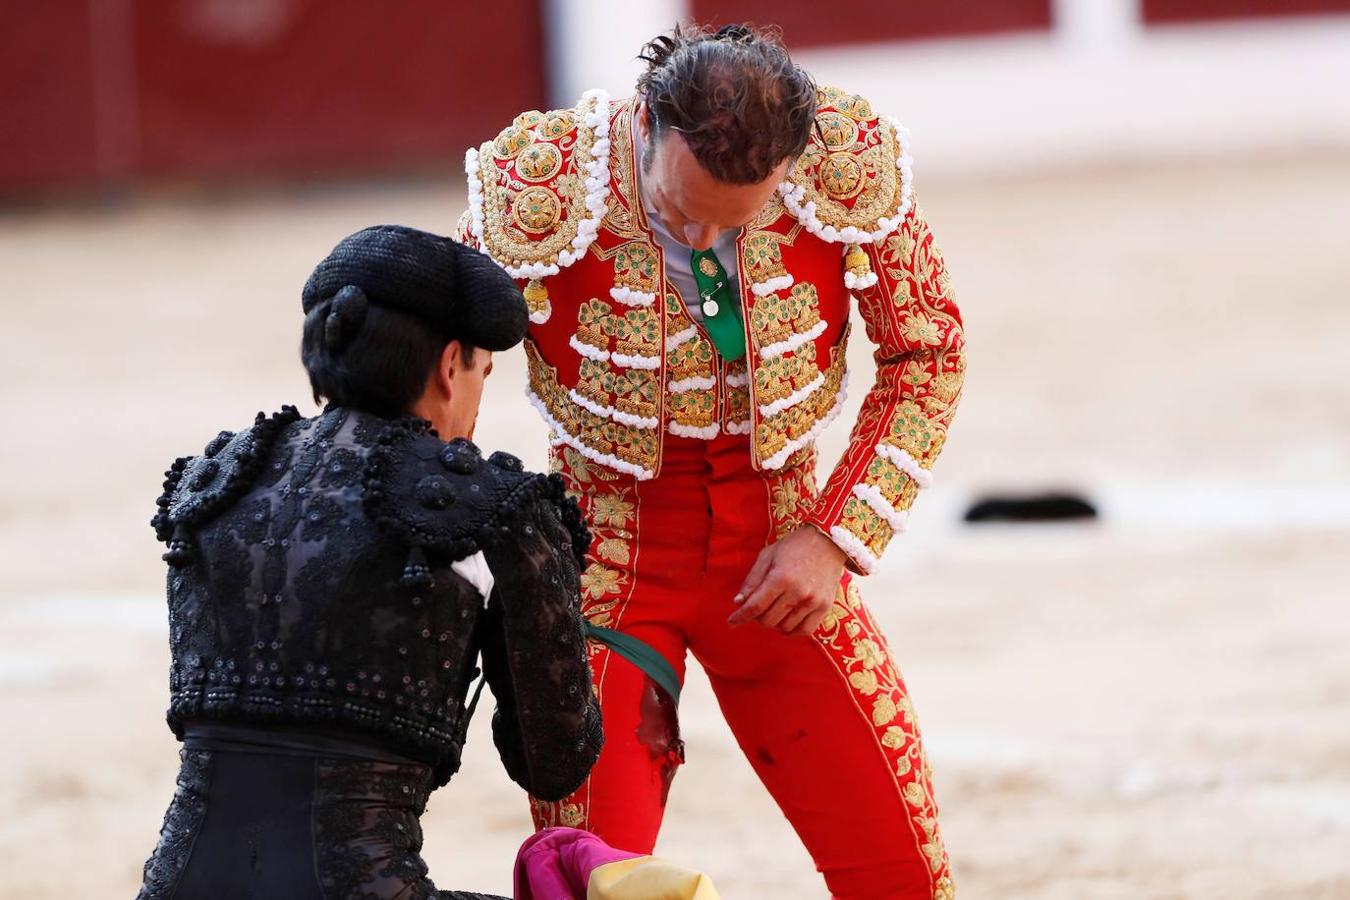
310,585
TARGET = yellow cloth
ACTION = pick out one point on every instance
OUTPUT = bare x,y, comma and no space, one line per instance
648,878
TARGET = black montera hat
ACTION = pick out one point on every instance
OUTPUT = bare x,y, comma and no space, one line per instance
459,290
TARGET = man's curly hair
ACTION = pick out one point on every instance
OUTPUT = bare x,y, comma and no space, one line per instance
734,94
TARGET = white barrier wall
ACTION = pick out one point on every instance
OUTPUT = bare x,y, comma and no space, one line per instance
594,43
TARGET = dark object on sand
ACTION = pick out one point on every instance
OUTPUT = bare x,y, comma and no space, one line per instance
1031,508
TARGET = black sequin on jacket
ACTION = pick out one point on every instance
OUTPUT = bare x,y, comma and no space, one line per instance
323,648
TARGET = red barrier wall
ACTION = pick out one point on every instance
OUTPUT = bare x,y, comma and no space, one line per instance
1199,10
324,84
93,91
46,95
814,24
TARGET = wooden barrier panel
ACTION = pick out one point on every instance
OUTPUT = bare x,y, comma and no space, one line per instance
98,91
815,24
316,85
1156,11
47,133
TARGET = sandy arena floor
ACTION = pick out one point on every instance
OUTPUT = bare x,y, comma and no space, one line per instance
1155,706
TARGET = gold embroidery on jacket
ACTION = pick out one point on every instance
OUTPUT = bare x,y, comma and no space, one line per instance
511,141
779,377
692,359
762,254
794,489
635,266
536,209
848,169
610,513
623,220
773,432
635,393
539,161
595,381
533,206
638,332
897,487
838,131
851,105
868,527
912,432
775,317
770,321
638,446
593,326
696,408
608,384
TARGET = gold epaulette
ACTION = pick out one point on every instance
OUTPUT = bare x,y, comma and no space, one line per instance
853,184
538,192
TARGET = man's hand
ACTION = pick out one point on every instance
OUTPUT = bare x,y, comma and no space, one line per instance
792,584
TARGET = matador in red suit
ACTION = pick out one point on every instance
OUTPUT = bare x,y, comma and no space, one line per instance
688,256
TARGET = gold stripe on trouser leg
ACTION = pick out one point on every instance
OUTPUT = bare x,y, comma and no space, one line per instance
858,650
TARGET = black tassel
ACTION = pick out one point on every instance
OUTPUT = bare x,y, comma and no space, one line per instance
180,548
416,572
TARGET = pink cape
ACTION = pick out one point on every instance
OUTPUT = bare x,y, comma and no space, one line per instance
557,863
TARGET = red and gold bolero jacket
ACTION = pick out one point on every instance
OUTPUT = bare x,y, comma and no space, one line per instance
616,361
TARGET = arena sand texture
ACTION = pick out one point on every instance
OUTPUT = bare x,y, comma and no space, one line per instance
1156,705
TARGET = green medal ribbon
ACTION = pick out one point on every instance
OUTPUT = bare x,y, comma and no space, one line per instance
639,653
721,307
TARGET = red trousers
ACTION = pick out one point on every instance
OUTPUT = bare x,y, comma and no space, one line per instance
825,721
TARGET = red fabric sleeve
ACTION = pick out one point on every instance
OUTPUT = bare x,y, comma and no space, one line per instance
912,319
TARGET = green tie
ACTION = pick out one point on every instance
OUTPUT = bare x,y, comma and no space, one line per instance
721,311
